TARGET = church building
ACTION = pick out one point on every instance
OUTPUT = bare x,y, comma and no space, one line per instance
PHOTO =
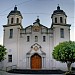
31,47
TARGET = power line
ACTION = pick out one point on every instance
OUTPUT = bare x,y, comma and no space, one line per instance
23,2
5,10
14,5
26,13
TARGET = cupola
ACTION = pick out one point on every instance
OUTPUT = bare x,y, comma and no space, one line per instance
59,16
14,17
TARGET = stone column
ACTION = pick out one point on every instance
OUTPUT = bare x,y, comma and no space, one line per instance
44,59
42,62
29,63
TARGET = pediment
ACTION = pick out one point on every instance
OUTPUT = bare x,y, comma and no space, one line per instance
36,24
36,44
36,48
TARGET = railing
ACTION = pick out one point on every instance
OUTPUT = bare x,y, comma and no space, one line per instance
11,67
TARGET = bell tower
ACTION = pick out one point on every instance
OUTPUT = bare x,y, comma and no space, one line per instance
61,30
12,34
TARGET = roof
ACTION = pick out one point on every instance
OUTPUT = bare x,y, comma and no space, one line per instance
15,12
58,11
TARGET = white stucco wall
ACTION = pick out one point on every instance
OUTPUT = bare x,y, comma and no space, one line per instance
19,47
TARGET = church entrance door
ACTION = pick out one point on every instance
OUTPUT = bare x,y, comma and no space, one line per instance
36,62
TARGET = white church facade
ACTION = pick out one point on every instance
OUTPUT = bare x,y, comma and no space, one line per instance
31,47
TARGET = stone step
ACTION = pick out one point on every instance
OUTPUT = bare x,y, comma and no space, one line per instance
27,71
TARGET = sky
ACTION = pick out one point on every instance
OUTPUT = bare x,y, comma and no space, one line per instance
30,9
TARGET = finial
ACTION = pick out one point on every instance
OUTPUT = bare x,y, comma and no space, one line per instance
15,8
58,7
38,21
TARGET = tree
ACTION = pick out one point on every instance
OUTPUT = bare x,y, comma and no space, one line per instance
65,52
2,52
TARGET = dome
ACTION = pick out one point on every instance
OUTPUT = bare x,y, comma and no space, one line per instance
58,11
15,12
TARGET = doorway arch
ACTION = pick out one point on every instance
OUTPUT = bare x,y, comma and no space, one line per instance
36,61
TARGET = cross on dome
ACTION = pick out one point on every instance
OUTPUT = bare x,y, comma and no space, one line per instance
15,8
58,7
38,20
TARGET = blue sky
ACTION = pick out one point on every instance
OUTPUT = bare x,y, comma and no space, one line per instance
30,9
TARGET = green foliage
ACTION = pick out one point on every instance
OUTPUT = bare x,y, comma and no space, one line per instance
64,52
2,52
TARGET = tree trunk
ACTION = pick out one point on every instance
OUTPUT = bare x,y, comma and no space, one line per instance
69,66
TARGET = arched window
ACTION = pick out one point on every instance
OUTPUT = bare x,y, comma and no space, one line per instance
55,20
36,38
28,38
65,21
12,19
61,33
44,38
17,21
11,33
61,20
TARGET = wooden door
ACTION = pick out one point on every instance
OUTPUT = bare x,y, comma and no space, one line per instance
36,62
